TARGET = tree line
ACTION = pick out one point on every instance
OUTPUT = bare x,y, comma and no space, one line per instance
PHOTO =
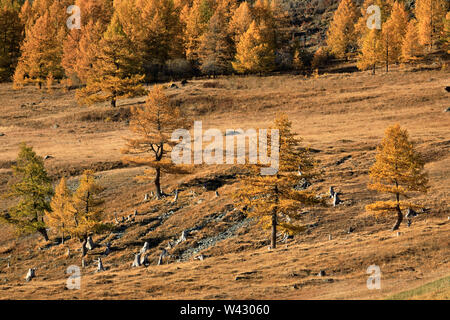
124,43
403,37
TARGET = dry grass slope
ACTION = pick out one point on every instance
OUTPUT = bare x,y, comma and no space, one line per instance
339,116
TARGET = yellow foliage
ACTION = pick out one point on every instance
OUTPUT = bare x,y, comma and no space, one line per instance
341,36
398,170
154,124
273,199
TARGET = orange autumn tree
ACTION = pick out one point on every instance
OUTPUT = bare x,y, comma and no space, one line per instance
254,52
87,207
116,71
42,47
273,199
61,216
11,36
80,46
430,16
154,124
410,46
398,170
341,36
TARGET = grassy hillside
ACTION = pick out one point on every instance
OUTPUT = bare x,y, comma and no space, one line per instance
342,117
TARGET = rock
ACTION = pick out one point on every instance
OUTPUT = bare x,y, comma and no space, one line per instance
100,265
2,134
137,260
30,275
350,230
47,157
146,197
399,234
90,243
217,194
55,126
447,88
135,213
322,273
184,82
175,198
173,86
447,110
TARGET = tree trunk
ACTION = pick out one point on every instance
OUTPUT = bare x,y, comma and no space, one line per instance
43,232
399,219
158,183
399,213
274,231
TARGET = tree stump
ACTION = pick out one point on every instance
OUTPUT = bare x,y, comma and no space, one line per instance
332,192
90,243
137,261
145,247
30,275
100,265
83,249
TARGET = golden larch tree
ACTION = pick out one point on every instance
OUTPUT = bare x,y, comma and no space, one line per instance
371,50
446,33
154,124
393,33
80,46
42,47
430,16
273,200
216,49
240,21
411,47
254,52
398,170
88,207
116,72
61,216
341,36
11,36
